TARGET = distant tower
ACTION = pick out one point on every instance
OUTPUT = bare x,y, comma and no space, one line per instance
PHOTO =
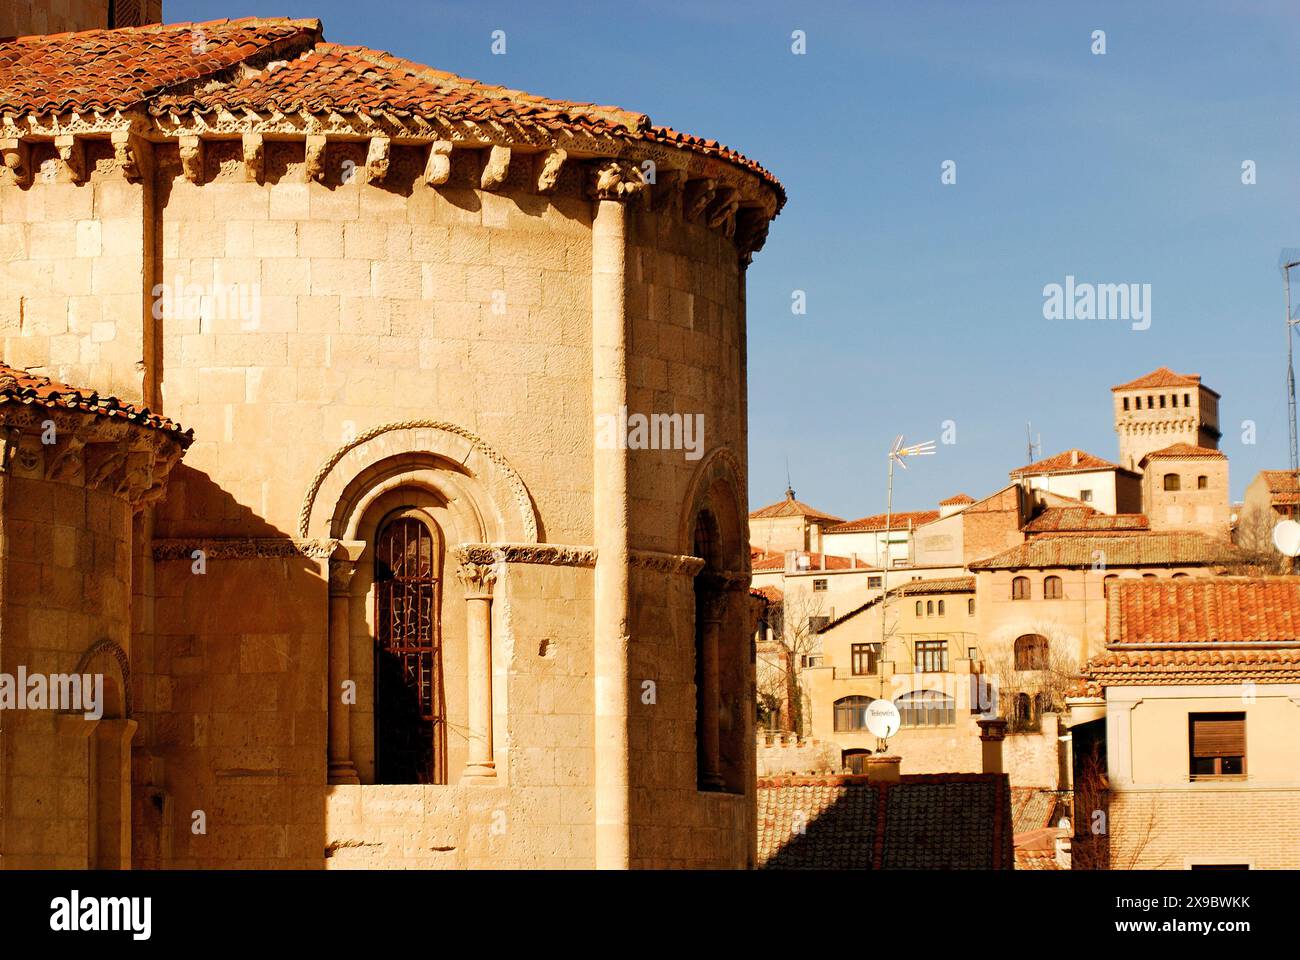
1161,409
22,18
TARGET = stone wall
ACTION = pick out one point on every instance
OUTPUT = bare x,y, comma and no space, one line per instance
1174,829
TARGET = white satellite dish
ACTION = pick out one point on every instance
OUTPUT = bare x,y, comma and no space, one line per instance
1286,537
882,719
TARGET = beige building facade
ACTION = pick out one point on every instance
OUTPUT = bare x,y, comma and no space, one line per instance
404,603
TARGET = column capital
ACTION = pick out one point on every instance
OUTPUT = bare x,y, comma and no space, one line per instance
616,180
478,579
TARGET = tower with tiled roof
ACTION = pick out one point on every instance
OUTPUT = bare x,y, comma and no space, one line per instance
1163,408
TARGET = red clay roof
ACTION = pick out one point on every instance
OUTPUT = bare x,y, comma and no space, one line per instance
1116,550
902,520
790,507
956,499
1180,632
1071,461
1162,377
1185,451
1283,486
1084,519
945,821
770,594
284,64
20,386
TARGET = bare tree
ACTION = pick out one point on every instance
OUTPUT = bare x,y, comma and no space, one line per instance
795,621
1040,681
1254,538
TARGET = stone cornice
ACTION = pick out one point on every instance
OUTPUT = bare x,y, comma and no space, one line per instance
242,548
552,554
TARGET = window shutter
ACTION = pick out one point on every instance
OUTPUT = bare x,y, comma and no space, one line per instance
1221,736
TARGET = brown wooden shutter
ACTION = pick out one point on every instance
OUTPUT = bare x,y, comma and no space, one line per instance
1219,735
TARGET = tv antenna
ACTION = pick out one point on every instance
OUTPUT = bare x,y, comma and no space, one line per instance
1035,449
1289,260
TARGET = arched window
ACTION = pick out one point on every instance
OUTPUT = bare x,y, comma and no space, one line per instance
1031,652
941,608
926,708
1020,588
1024,711
1149,576
1202,482
918,608
1172,481
1052,588
1178,576
970,608
851,713
410,703
708,599
929,608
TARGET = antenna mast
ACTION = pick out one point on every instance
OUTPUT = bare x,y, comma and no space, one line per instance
1290,259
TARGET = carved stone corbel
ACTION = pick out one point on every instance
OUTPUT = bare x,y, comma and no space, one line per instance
496,169
377,159
72,158
437,170
721,213
254,157
191,151
699,194
666,197
315,157
128,154
15,161
751,232
549,164
617,180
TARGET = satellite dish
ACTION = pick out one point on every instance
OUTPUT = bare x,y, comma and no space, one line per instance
882,718
1286,537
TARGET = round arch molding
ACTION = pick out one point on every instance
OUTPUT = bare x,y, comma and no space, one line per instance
720,466
511,514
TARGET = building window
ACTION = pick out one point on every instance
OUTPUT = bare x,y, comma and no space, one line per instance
1187,399
1162,401
864,656
929,608
819,586
1052,588
1218,745
855,761
1149,576
1020,588
932,656
851,713
410,705
1031,652
919,608
970,608
1126,403
1172,481
1202,482
1085,496
1137,403
926,708
1151,402
818,624
941,608
874,583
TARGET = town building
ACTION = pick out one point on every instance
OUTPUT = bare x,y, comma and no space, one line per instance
1195,702
1163,408
399,604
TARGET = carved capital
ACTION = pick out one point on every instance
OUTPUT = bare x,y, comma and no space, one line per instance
496,169
437,170
72,158
549,164
191,151
616,180
254,157
478,579
377,159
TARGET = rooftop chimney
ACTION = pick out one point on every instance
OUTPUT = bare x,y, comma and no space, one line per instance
992,733
1074,458
884,769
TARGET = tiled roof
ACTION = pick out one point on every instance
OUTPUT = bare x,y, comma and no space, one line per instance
1161,377
790,507
1206,630
770,594
1185,451
1034,808
903,520
922,588
957,500
1283,486
1071,461
1117,550
1204,610
948,821
19,386
1036,859
772,560
285,65
1084,519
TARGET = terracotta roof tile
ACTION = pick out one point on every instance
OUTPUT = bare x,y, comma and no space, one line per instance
902,520
1161,377
957,499
1119,550
284,64
790,507
1283,486
1185,451
950,821
1071,461
1084,519
20,386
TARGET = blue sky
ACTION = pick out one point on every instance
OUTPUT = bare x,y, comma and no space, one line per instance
925,300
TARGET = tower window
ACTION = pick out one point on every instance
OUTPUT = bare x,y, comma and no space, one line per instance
1126,403
1173,400
1020,588
1202,482
1085,496
1162,401
1173,482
